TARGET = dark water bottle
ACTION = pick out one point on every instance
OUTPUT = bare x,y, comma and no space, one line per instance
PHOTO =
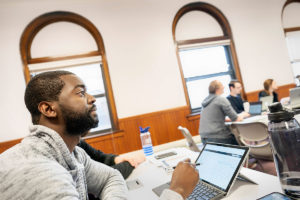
284,132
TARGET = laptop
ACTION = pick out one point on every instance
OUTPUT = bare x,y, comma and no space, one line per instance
295,97
266,101
255,108
190,142
219,165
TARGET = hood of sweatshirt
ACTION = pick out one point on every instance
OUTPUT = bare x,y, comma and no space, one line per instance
208,100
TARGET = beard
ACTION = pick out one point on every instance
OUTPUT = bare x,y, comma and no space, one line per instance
79,123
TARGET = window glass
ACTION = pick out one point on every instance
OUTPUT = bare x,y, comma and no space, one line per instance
198,90
203,61
201,66
91,75
293,43
103,115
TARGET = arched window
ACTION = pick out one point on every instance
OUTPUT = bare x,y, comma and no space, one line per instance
67,41
205,50
291,25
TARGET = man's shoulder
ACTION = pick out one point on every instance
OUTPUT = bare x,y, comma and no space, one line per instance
44,176
221,99
229,97
24,159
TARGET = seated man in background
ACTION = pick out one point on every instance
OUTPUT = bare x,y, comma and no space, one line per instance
234,97
212,120
47,164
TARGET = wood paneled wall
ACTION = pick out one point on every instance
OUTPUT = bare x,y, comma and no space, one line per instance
283,91
8,144
163,127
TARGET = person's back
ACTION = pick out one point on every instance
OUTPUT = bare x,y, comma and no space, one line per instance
212,120
212,126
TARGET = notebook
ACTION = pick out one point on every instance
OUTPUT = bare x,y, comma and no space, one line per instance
189,139
266,101
219,166
255,108
295,97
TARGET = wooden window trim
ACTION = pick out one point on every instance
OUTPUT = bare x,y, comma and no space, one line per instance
202,40
286,30
287,3
58,58
291,29
224,24
63,16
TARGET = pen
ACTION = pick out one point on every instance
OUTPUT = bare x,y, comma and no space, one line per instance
196,164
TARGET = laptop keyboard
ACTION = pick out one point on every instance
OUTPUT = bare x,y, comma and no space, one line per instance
203,192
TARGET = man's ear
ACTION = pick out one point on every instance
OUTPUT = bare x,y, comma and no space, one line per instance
48,109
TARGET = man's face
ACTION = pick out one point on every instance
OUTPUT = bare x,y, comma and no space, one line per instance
237,88
77,107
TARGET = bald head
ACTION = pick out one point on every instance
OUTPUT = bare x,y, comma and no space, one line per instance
216,87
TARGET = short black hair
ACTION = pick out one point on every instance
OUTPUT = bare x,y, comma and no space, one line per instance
45,86
232,82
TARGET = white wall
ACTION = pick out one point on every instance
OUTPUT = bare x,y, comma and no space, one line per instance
140,50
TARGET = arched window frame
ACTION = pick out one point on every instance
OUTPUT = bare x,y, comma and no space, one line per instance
42,21
289,30
292,28
227,34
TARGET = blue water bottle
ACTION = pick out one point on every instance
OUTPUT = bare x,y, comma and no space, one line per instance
146,141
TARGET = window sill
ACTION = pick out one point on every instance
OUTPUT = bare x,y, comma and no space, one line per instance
193,116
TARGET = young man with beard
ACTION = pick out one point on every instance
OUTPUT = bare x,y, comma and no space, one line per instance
47,164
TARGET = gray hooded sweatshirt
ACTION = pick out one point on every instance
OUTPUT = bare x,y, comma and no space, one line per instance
42,167
212,118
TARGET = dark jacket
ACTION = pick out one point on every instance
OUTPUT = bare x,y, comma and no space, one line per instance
264,94
108,159
236,103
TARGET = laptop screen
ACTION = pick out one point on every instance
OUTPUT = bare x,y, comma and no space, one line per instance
220,163
295,96
255,108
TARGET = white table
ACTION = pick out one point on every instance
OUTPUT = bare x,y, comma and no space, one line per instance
151,176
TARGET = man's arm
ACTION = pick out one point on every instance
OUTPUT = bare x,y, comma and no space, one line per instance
125,168
97,155
103,181
228,110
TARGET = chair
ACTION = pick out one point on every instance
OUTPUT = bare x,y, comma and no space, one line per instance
190,142
255,136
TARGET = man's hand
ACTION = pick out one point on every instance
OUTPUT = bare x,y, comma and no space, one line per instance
134,160
184,179
245,114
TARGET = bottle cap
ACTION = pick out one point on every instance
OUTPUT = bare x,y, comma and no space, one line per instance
278,113
144,130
